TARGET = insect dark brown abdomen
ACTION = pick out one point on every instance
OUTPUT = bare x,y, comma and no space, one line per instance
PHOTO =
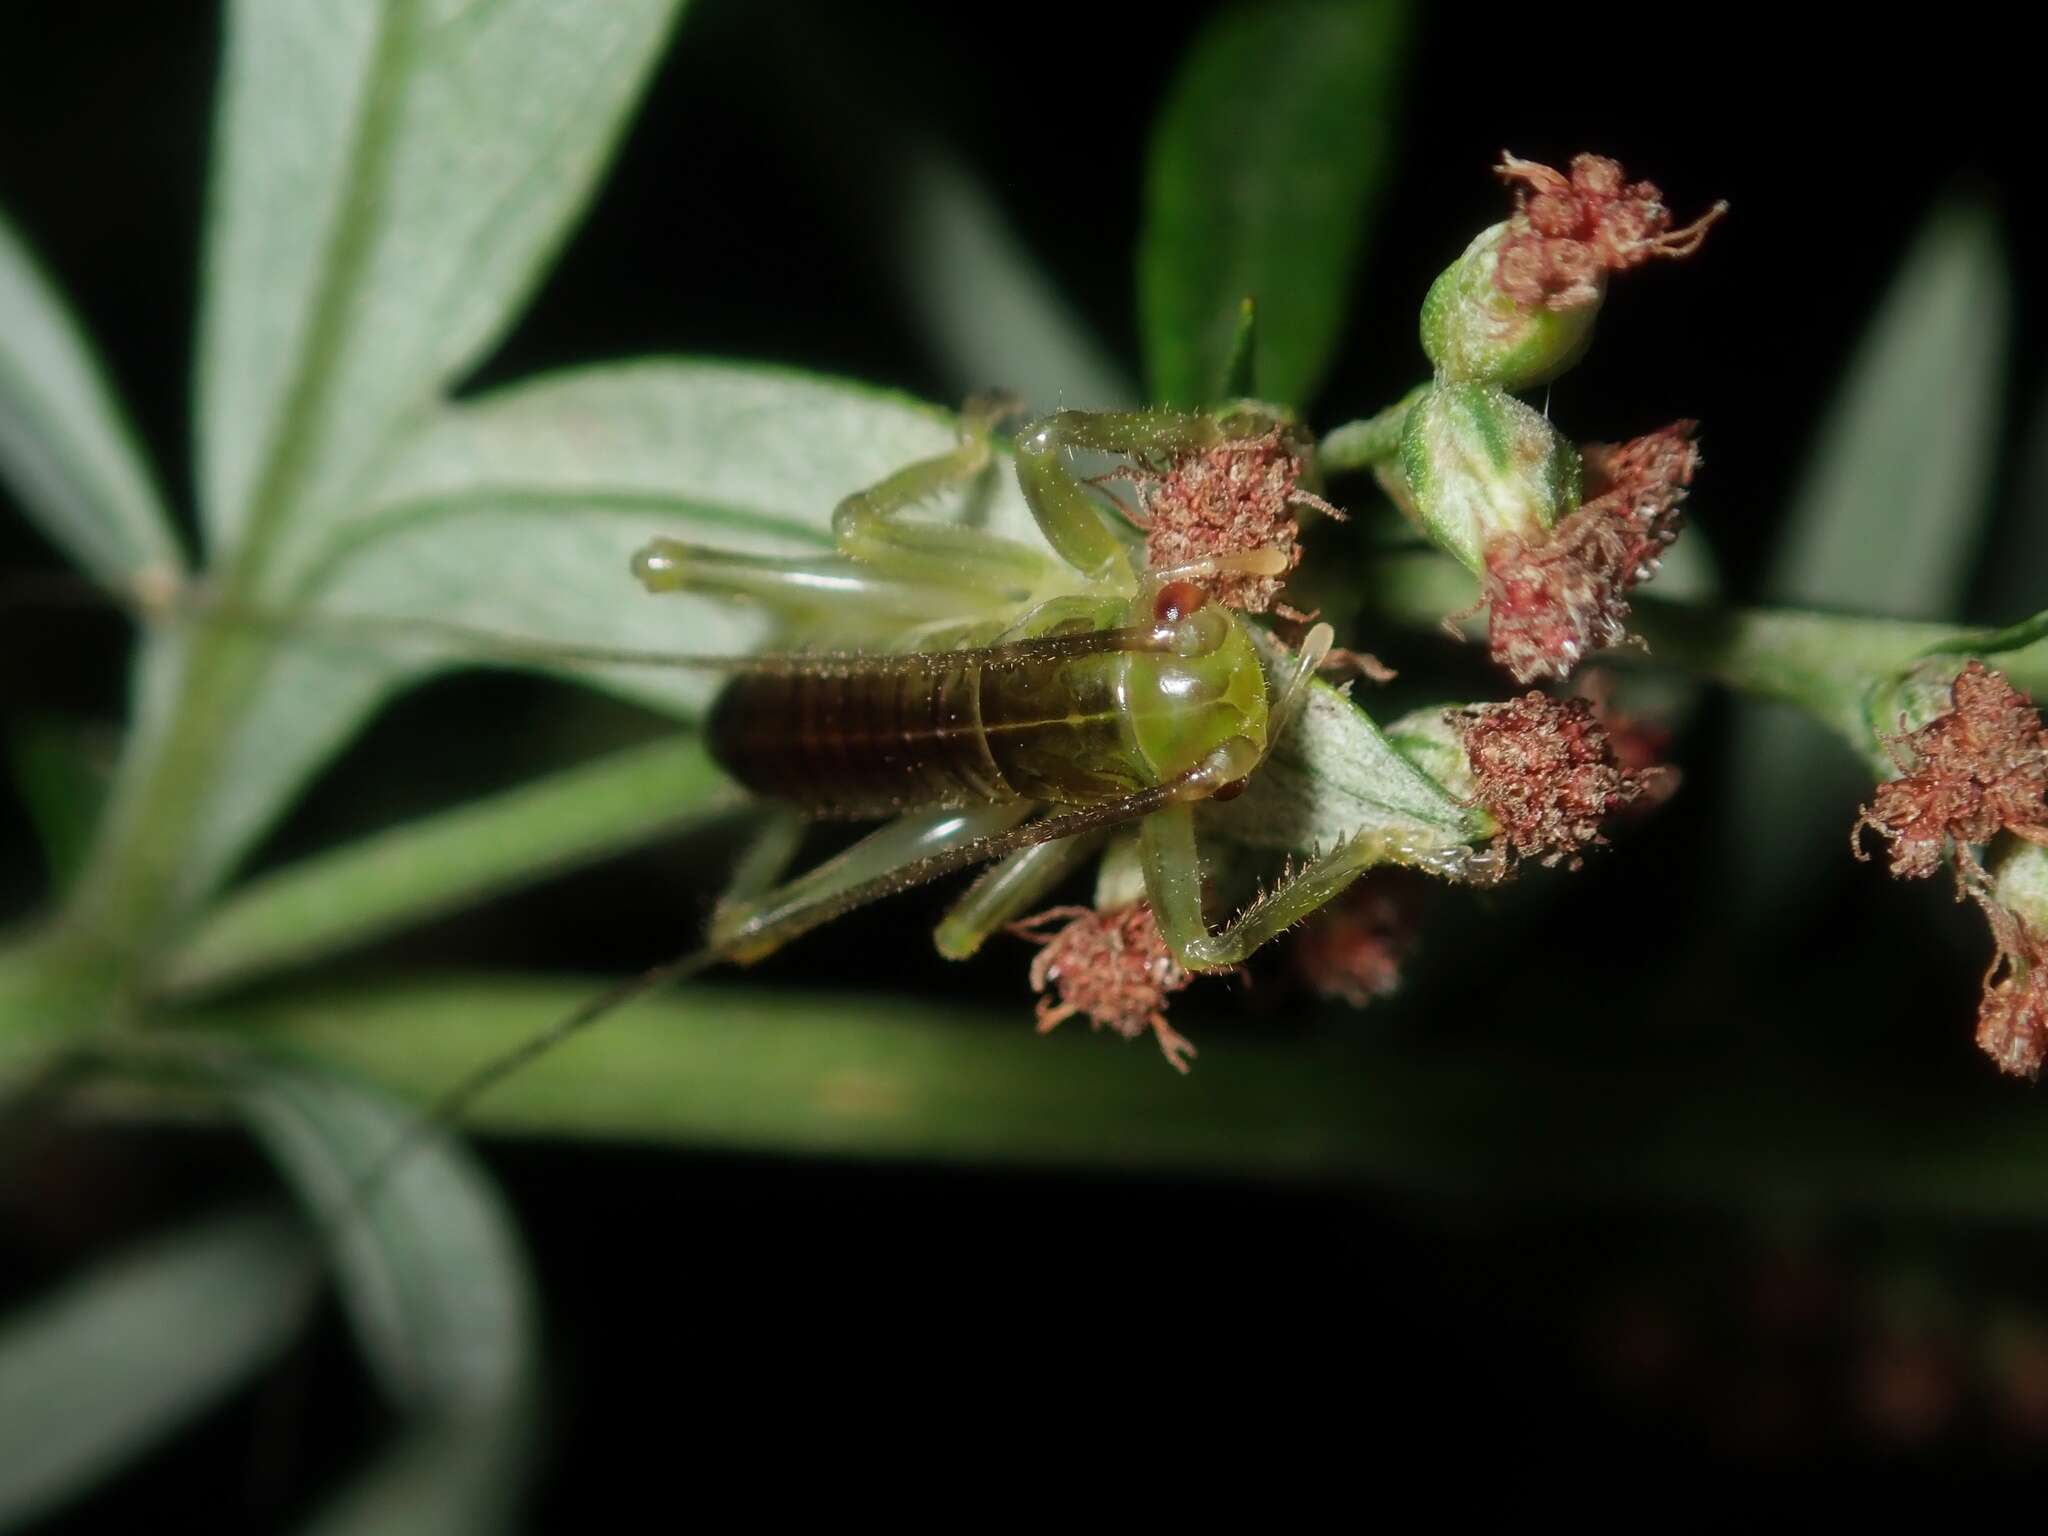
848,739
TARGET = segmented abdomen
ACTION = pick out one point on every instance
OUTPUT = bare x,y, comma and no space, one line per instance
852,740
858,743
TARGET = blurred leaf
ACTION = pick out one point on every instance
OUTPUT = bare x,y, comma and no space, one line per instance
2014,574
438,1480
519,512
99,1372
1241,367
66,449
395,878
1887,520
432,1277
987,310
390,180
429,1268
63,770
1267,161
831,1072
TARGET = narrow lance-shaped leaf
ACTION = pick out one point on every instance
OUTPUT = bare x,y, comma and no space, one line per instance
67,452
62,770
100,1371
391,177
431,1274
1887,520
989,313
519,513
430,1271
766,1069
1266,162
440,862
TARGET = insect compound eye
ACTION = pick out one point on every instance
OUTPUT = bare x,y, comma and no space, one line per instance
1176,600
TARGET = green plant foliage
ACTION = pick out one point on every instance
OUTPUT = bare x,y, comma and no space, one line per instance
1266,163
986,309
382,883
66,449
432,1276
61,771
1888,519
100,1371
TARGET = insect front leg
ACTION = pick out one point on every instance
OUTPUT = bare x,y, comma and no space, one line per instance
1068,512
1173,884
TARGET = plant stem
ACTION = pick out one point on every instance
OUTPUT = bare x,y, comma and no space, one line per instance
1821,662
1358,445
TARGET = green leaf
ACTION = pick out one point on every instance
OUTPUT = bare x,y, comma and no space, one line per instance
438,1480
834,1073
66,449
390,181
989,313
430,1270
63,770
386,882
2011,577
1334,775
1241,367
1267,160
433,1279
518,513
1887,520
1996,642
108,1366
1889,512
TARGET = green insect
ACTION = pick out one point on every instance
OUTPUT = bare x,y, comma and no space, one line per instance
997,703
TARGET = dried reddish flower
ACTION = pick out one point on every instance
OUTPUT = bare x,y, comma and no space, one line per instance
2012,1019
1569,232
1641,746
1230,499
1353,949
1544,769
1115,967
1978,768
1557,598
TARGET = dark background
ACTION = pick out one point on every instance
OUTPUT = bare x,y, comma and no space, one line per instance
701,1305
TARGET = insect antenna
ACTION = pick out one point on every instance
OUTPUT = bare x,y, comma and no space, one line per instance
749,938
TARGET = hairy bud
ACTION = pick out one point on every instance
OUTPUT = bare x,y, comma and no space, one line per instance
1481,467
1517,308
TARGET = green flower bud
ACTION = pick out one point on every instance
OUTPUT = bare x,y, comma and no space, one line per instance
2012,1019
2019,882
1901,704
1481,465
1475,330
1426,738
